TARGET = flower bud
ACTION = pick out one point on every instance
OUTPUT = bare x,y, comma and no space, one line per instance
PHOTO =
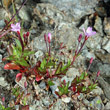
80,37
91,60
27,34
24,35
49,37
98,73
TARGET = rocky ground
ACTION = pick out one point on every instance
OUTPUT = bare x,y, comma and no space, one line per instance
65,20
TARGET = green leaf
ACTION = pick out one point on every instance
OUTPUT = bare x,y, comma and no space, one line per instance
84,89
18,44
11,57
50,83
1,107
98,101
82,76
65,67
50,64
59,68
43,63
22,62
16,52
9,108
27,53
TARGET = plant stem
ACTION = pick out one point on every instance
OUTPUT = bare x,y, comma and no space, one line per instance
49,49
76,53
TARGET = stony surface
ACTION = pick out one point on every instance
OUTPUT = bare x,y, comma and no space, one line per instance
65,21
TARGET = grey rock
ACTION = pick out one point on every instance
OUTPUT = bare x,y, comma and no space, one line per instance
85,24
3,82
106,25
42,85
97,91
94,42
74,8
104,68
54,88
46,102
98,25
0,58
39,54
100,11
88,54
107,46
3,13
107,106
2,23
72,73
24,13
102,56
97,103
105,86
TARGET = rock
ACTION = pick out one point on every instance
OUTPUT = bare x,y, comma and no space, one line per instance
104,85
88,54
0,58
39,54
105,58
95,104
2,23
107,46
94,42
24,13
55,88
98,25
21,82
72,73
3,83
85,24
66,99
104,68
106,25
3,13
107,106
74,8
59,105
46,102
101,11
39,44
97,91
42,85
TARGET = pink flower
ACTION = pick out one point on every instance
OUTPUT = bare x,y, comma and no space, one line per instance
89,32
15,27
49,37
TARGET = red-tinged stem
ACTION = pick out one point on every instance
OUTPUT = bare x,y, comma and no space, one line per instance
46,45
49,49
14,16
21,41
76,53
81,47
